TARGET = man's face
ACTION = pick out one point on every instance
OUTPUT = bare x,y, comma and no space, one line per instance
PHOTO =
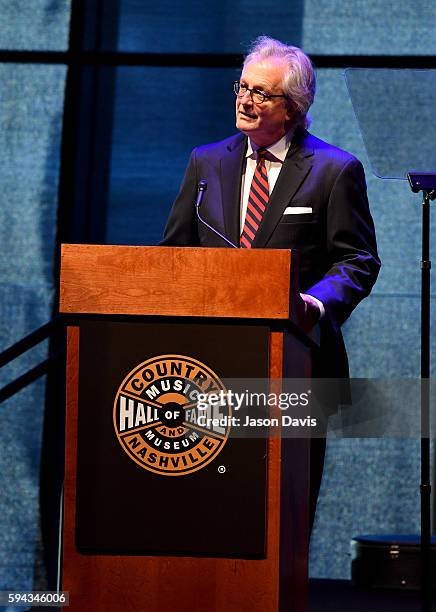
267,122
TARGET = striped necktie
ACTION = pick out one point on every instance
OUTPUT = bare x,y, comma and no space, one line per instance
257,201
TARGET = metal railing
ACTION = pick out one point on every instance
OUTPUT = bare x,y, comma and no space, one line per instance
22,346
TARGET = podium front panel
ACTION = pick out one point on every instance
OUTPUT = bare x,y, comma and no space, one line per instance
150,480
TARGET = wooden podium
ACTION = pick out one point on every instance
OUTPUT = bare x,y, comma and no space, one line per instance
182,296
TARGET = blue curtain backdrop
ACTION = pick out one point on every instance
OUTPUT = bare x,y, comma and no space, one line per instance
31,103
160,114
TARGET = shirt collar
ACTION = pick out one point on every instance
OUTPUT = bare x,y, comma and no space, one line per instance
278,150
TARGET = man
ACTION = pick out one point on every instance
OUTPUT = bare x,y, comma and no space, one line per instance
276,186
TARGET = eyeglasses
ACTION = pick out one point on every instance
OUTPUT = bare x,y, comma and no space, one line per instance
255,94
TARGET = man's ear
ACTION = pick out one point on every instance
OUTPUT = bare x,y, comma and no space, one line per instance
291,112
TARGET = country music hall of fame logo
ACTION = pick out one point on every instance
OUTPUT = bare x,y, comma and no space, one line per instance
156,415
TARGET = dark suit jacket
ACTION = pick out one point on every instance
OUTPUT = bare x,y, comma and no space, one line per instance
338,252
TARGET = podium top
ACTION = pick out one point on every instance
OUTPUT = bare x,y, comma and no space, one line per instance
178,281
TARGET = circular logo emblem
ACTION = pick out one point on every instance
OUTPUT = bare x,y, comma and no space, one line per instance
163,420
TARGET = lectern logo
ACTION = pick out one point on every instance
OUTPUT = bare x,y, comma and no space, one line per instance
156,417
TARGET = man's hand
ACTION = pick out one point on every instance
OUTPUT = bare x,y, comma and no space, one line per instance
312,312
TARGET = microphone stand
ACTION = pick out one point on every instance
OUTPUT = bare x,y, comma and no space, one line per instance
425,182
201,188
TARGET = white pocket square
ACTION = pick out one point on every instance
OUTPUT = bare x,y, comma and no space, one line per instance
297,210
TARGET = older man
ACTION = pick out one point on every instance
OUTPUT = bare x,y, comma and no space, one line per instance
276,186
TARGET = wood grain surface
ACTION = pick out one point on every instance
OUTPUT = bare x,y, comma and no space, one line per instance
176,281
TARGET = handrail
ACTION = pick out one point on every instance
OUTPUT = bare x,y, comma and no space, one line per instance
30,376
23,345
29,341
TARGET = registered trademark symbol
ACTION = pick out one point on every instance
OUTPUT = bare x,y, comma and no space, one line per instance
221,469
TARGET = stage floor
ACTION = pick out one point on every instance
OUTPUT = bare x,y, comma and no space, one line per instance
341,596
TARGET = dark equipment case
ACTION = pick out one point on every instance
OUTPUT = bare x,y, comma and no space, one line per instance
388,561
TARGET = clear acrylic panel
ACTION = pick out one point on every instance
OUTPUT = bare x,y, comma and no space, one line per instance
395,112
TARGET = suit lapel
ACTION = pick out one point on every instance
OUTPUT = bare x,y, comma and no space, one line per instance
296,168
231,167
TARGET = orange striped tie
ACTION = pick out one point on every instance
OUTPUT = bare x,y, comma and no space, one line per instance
257,201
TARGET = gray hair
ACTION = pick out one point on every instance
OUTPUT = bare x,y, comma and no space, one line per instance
299,84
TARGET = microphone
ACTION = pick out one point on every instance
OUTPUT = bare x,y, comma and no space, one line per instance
201,188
